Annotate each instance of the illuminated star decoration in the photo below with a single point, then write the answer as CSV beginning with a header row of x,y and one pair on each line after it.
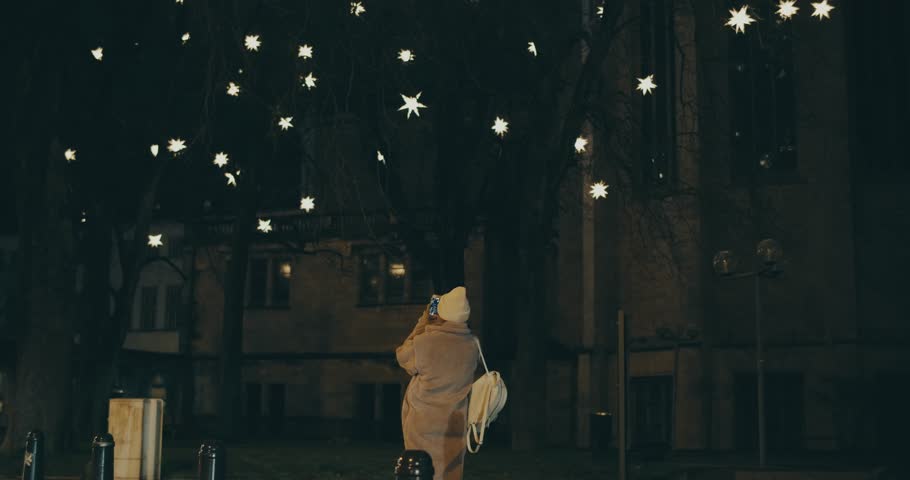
x,y
309,81
739,19
411,104
176,145
155,241
645,85
231,180
500,126
406,56
179,2
786,9
233,89
154,150
305,51
307,204
69,155
357,8
265,226
185,38
532,48
285,122
600,11
252,43
599,190
580,144
822,9
221,159
98,53
380,157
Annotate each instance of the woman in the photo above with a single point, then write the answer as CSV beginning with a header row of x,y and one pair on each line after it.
x,y
441,357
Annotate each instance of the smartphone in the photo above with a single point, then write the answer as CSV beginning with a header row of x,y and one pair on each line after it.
x,y
434,306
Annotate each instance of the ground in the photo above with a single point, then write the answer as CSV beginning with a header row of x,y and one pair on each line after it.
x,y
342,462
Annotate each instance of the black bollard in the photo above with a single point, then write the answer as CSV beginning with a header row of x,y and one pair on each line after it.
x,y
102,465
414,465
212,461
33,460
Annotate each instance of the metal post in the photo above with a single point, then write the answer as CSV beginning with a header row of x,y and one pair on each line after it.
x,y
102,465
759,372
414,465
33,459
212,461
621,380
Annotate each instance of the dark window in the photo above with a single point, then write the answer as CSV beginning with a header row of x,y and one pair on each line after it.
x,y
658,44
650,411
173,302
148,311
370,278
258,282
396,272
763,104
281,282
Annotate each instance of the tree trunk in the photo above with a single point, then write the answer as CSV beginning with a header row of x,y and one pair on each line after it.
x,y
231,375
44,356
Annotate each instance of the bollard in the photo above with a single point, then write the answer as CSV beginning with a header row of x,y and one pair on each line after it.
x,y
414,465
33,460
212,461
102,465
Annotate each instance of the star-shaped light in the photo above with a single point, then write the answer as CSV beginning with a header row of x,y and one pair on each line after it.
x,y
98,53
532,47
179,2
252,43
305,51
154,150
309,81
599,190
285,122
357,9
231,179
500,126
155,241
786,9
29,458
822,9
380,157
69,155
233,89
406,56
265,226
307,203
645,85
411,104
221,159
176,145
185,38
600,11
739,19
580,144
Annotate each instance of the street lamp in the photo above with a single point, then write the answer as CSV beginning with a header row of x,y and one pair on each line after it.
x,y
725,263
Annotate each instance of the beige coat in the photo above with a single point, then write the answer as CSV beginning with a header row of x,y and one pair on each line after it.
x,y
441,360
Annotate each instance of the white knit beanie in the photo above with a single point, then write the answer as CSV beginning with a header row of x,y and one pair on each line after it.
x,y
454,306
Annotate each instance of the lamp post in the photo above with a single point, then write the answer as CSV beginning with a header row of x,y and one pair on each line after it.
x,y
725,263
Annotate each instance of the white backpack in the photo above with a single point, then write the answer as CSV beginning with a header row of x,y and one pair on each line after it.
x,y
488,396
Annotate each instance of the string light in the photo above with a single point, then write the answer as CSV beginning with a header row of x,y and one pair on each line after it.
x,y
307,204
285,123
231,179
406,56
252,43
786,9
154,150
69,155
599,190
265,226
309,81
98,53
822,9
380,157
739,19
357,9
412,104
500,126
155,241
233,89
646,85
532,47
580,144
185,38
176,145
305,51
221,159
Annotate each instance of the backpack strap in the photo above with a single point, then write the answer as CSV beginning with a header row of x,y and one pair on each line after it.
x,y
481,355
